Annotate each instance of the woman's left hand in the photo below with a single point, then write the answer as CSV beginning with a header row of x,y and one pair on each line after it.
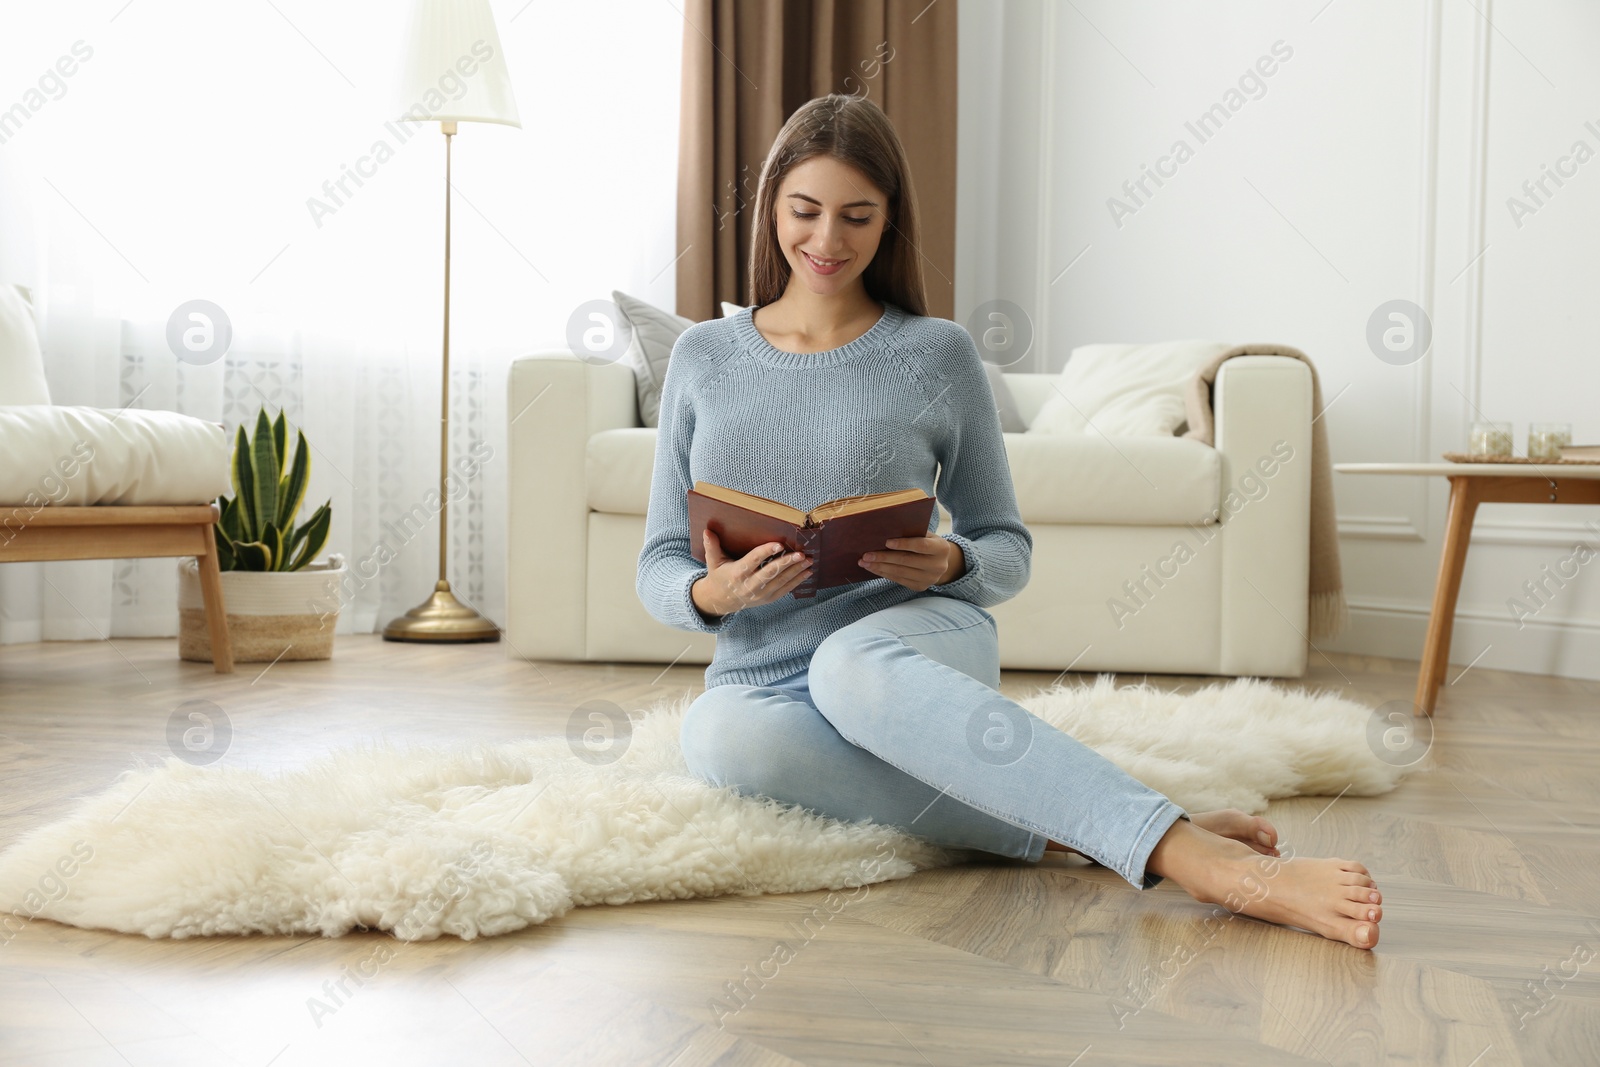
x,y
917,562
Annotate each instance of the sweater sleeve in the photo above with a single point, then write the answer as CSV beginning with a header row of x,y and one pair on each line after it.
x,y
666,567
975,484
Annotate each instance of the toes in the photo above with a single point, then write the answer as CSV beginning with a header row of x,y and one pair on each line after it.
x,y
1353,866
1365,935
1360,909
1264,833
1363,894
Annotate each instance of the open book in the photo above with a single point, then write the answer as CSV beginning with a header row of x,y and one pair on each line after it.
x,y
833,535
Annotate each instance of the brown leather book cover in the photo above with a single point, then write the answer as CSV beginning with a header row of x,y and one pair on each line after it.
x,y
833,541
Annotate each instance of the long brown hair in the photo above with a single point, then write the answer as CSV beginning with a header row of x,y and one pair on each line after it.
x,y
853,130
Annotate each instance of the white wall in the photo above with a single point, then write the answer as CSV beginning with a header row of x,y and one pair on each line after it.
x,y
1374,163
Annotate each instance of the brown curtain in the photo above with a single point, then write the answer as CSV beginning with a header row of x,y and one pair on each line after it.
x,y
747,64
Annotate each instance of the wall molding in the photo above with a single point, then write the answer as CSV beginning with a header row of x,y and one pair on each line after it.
x,y
1428,242
1045,190
1526,533
1534,534
1380,528
1400,609
1478,205
1412,527
1549,644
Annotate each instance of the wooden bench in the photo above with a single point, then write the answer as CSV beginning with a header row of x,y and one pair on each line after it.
x,y
110,531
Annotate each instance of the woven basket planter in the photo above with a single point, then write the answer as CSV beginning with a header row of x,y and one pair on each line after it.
x,y
272,615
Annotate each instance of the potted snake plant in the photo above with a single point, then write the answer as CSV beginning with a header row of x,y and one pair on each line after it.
x,y
282,602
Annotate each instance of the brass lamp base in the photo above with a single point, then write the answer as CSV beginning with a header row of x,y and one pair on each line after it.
x,y
441,618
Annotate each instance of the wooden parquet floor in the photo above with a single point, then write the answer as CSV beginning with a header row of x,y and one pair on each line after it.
x,y
1487,858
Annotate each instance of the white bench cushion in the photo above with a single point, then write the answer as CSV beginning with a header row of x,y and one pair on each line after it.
x,y
1071,478
76,456
21,365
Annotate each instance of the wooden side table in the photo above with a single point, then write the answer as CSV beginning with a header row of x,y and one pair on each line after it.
x,y
1472,484
111,531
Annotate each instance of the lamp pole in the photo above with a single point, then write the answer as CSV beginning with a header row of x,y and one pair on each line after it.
x,y
443,618
453,39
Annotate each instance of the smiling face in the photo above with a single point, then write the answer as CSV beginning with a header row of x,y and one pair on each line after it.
x,y
830,218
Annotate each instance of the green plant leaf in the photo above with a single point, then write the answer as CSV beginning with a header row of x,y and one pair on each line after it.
x,y
295,537
298,535
280,439
315,535
244,486
252,556
265,472
272,537
293,489
263,434
229,523
258,523
225,558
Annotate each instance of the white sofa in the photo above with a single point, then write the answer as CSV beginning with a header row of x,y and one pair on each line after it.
x,y
1107,516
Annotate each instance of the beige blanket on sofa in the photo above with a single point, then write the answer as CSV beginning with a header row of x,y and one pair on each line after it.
x,y
1329,614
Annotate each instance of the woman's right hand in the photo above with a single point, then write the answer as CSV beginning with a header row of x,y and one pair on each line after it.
x,y
760,576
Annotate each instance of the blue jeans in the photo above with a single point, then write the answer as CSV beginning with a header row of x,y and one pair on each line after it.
x,y
898,719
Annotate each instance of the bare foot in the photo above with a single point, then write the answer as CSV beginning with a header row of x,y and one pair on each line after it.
x,y
1332,897
1252,830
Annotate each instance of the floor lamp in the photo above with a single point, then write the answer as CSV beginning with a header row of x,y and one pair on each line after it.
x,y
454,72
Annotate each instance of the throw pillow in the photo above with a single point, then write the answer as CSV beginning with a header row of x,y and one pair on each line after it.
x,y
21,364
652,333
1124,390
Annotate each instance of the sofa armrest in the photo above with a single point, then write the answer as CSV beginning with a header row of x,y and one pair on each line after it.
x,y
1262,406
555,403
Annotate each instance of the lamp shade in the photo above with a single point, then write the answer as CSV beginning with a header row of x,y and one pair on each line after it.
x,y
454,68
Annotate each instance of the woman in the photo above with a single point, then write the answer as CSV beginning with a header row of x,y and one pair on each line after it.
x,y
879,700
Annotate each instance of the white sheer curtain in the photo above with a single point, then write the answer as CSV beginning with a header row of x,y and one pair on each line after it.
x,y
176,162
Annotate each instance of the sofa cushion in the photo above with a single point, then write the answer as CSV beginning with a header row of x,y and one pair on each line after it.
x,y
21,365
75,456
1080,478
1137,481
618,466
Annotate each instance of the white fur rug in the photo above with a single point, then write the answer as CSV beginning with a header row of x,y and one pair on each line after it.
x,y
481,840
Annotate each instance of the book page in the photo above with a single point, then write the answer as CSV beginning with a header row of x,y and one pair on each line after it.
x,y
750,502
850,505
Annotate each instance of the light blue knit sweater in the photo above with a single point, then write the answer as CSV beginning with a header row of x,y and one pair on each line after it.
x,y
877,414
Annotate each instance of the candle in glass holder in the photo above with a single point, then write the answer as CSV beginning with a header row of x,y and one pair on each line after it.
x,y
1546,439
1490,439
